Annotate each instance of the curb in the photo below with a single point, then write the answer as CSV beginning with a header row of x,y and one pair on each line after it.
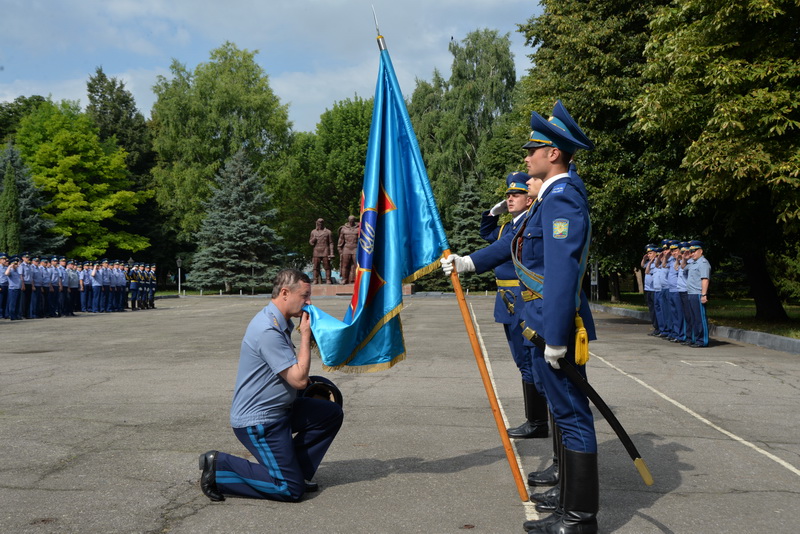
x,y
760,339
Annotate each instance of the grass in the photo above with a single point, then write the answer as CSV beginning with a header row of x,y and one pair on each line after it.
x,y
735,313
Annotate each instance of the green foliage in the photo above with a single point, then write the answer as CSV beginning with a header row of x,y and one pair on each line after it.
x,y
591,56
735,96
237,246
455,120
114,112
11,113
9,213
35,231
83,180
323,173
201,118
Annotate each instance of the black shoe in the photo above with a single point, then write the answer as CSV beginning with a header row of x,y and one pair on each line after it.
x,y
547,502
208,480
529,429
548,477
539,524
696,346
311,487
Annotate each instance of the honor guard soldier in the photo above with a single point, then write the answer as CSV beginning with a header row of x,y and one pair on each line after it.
x,y
144,286
648,267
54,288
26,272
133,284
550,252
73,289
152,289
510,302
96,274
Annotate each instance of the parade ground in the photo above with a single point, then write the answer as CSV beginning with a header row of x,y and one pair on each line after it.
x,y
103,418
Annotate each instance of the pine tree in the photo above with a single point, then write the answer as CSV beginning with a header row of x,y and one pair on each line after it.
x,y
237,246
9,213
35,231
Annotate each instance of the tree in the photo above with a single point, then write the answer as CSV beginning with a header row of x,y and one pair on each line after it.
x,y
201,118
36,233
733,97
323,173
9,213
591,56
11,113
84,181
237,246
454,118
114,112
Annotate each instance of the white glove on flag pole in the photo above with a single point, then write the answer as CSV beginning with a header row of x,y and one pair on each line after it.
x,y
461,264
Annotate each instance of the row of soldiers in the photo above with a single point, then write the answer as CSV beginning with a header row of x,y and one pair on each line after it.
x,y
676,288
33,286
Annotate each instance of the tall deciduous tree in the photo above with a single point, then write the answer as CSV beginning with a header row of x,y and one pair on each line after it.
x,y
202,118
725,77
454,118
35,230
84,181
591,56
237,246
324,173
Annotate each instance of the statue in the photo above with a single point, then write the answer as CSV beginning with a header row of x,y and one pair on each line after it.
x,y
348,244
322,241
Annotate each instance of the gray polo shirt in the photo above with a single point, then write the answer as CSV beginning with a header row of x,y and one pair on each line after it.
x,y
261,395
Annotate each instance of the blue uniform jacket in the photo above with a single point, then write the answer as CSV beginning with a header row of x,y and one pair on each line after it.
x,y
556,231
490,231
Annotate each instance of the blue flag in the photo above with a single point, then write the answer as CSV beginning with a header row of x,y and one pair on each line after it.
x,y
401,238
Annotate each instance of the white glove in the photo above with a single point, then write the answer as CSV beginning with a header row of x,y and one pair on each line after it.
x,y
461,264
499,208
552,353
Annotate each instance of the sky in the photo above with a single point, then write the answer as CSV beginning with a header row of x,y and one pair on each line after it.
x,y
315,52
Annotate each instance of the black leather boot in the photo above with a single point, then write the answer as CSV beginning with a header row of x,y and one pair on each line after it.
x,y
540,525
208,479
549,476
547,501
581,496
535,412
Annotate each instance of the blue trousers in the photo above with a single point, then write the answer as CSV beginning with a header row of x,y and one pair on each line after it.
x,y
676,315
664,323
650,299
13,304
699,321
97,299
35,311
284,462
569,405
521,354
86,298
3,301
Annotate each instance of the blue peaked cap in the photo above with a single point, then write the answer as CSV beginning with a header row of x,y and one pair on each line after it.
x,y
556,133
561,113
516,182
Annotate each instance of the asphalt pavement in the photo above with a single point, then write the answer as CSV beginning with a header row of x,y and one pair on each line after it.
x,y
102,419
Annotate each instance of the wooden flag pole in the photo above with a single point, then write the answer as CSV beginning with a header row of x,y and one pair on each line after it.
x,y
487,384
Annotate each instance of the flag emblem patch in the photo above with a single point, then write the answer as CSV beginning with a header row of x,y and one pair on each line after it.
x,y
560,228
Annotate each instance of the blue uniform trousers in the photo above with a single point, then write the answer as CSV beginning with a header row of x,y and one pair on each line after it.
x,y
284,463
676,315
521,354
105,299
649,297
664,323
687,316
35,311
570,406
134,294
4,301
699,321
97,299
12,306
86,299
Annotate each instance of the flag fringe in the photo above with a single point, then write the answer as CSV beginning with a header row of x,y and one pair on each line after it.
x,y
422,272
385,319
372,368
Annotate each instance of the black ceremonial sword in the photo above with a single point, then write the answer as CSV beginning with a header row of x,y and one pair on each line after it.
x,y
597,400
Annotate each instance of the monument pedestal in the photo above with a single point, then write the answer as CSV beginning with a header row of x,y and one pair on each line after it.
x,y
345,290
